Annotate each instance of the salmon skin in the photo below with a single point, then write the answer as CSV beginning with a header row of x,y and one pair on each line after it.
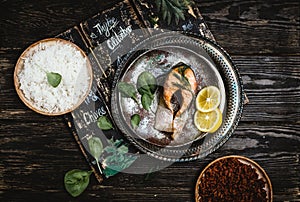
x,y
180,79
178,92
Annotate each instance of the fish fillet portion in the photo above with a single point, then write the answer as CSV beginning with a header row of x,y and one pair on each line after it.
x,y
163,118
180,81
179,123
180,78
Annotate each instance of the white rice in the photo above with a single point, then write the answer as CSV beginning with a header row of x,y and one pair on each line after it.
x,y
59,58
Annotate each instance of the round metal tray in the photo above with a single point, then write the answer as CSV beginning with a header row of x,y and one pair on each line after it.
x,y
224,74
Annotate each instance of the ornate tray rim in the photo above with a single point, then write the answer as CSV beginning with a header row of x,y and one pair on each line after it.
x,y
196,153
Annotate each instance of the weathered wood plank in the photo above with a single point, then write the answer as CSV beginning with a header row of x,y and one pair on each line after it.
x,y
272,85
263,38
257,26
29,21
38,149
254,27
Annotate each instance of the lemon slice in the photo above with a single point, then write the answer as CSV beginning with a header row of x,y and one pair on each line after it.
x,y
208,121
208,99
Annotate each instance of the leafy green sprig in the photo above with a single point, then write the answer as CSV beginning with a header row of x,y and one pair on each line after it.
x,y
76,181
96,149
104,123
127,90
53,78
146,86
172,9
135,120
115,158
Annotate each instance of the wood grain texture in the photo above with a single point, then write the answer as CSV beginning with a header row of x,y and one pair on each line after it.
x,y
254,27
261,36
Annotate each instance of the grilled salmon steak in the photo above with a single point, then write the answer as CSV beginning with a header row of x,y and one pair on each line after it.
x,y
178,92
182,79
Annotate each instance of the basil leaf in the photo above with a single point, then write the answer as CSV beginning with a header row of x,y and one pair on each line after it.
x,y
118,163
53,78
108,172
135,121
117,142
127,90
146,101
146,83
96,147
109,159
110,149
122,149
118,158
104,123
76,181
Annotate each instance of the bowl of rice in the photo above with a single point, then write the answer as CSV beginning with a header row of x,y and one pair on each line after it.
x,y
53,76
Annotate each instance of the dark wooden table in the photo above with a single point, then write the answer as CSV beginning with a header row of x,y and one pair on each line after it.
x,y
261,36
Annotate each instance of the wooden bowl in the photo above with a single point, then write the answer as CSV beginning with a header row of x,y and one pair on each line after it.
x,y
31,50
258,169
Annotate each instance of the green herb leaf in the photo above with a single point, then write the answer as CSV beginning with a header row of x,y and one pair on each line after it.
x,y
123,149
104,123
117,142
96,147
169,17
177,3
127,90
172,8
110,149
116,164
135,120
158,3
146,83
118,158
187,2
108,172
112,158
176,18
76,181
53,78
164,14
163,6
147,101
181,76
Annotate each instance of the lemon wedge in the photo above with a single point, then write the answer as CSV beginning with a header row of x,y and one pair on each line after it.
x,y
208,99
208,121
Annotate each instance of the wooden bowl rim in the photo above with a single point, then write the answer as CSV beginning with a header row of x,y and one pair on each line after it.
x,y
31,50
262,173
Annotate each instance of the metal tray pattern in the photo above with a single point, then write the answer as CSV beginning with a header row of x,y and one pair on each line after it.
x,y
234,97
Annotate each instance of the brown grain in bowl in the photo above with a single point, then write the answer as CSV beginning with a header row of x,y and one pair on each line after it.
x,y
233,178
